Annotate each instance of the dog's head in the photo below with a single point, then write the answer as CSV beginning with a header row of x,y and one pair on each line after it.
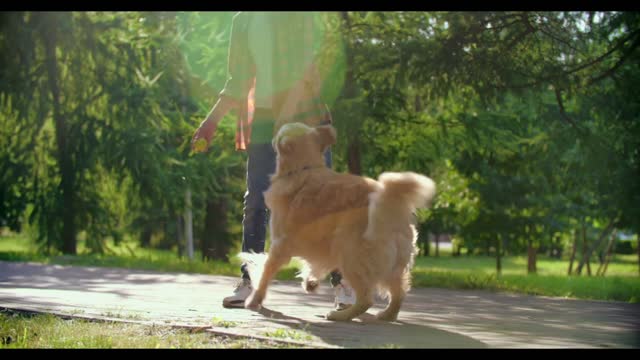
x,y
297,144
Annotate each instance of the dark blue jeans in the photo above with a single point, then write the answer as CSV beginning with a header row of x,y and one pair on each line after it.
x,y
261,163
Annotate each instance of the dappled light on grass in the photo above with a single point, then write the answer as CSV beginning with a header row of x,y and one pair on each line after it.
x,y
464,272
47,331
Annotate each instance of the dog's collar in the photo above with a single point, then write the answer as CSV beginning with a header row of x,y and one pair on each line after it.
x,y
295,171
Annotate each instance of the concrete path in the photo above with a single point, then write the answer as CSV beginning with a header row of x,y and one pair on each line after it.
x,y
430,318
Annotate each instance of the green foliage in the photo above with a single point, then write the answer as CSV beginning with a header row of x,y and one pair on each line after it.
x,y
526,121
626,247
127,126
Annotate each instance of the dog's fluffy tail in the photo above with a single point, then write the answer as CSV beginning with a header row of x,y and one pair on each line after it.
x,y
399,196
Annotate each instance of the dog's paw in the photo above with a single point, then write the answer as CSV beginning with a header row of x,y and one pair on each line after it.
x,y
387,316
340,315
253,302
310,285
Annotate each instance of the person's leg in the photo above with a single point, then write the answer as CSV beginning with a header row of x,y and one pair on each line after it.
x,y
335,276
260,165
344,296
328,158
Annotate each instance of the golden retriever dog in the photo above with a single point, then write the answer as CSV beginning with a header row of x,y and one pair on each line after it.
x,y
330,220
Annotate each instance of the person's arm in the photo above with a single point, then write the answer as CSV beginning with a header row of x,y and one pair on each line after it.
x,y
241,71
208,127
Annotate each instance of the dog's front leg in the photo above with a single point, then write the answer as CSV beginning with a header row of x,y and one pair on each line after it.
x,y
275,260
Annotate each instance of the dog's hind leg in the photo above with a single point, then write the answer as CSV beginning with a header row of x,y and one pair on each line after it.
x,y
397,285
364,300
275,260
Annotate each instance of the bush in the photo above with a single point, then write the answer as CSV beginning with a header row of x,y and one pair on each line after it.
x,y
626,247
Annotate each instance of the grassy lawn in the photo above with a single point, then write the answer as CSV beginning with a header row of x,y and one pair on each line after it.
x,y
621,282
621,265
20,331
127,255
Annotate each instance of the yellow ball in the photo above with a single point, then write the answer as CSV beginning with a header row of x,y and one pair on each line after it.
x,y
200,145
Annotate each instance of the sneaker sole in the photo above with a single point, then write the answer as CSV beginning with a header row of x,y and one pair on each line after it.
x,y
342,306
235,304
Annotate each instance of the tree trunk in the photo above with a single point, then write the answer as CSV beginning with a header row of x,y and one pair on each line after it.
x,y
180,235
573,252
353,156
531,257
584,251
427,245
188,223
498,256
584,242
587,254
216,241
145,237
603,268
67,180
458,249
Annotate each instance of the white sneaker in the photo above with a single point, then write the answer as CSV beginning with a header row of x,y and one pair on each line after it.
x,y
240,294
345,296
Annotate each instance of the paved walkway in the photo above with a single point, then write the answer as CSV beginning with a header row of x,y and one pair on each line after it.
x,y
430,318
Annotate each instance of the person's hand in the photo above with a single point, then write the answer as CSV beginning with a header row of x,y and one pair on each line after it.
x,y
203,135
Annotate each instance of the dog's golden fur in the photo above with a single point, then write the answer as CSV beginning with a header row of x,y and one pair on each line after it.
x,y
357,225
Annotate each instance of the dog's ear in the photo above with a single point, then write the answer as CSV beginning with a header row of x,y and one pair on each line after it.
x,y
326,135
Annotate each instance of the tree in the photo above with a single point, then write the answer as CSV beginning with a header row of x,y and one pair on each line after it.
x,y
101,79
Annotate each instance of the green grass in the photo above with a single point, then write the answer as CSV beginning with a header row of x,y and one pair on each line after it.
x,y
621,265
47,331
617,288
127,255
216,321
621,282
289,334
